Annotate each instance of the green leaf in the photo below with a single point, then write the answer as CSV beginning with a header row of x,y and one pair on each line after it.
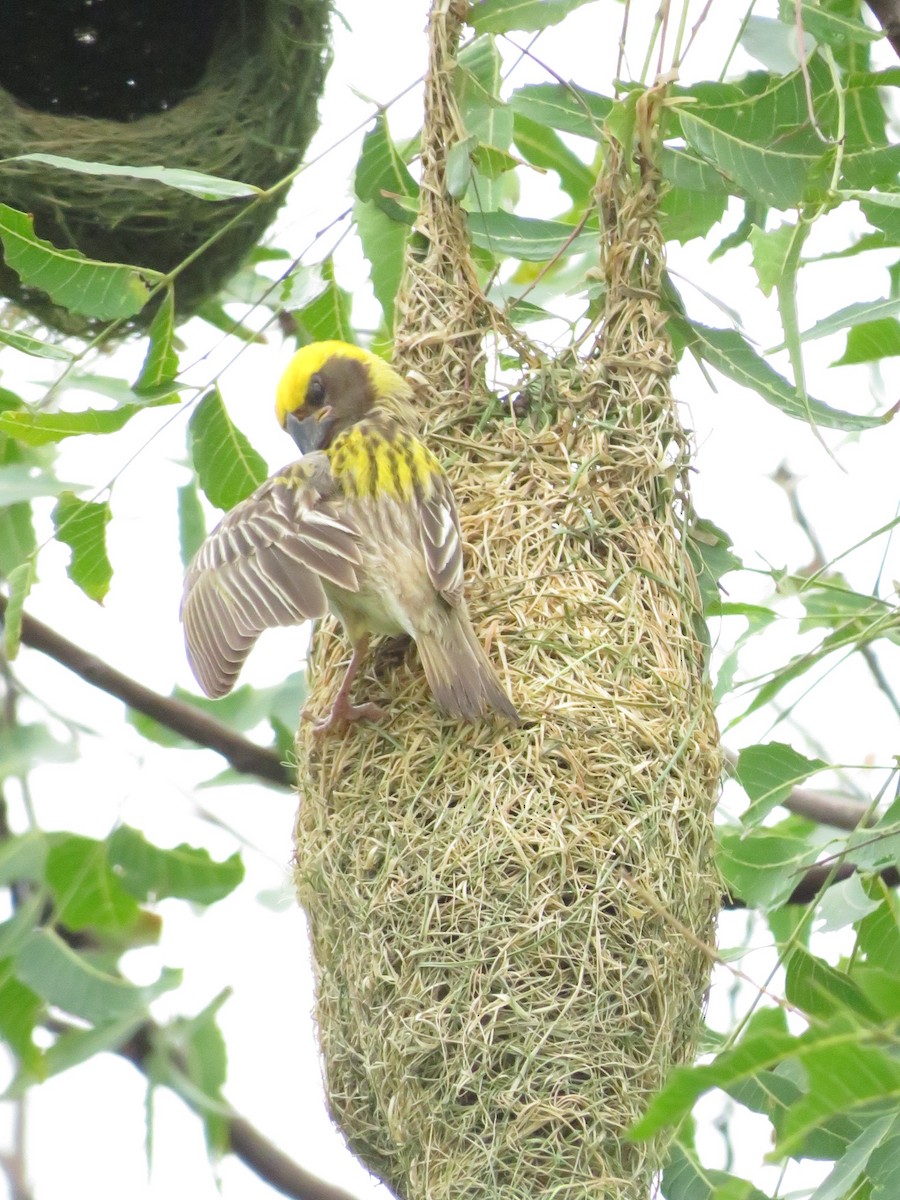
x,y
771,251
327,317
851,1164
729,352
763,867
161,361
19,1011
821,991
871,341
95,289
195,1062
564,106
76,1046
530,238
23,747
774,44
500,16
879,934
881,209
384,245
884,1168
757,133
38,428
34,346
191,522
62,977
18,542
81,524
768,774
545,149
685,214
685,1178
762,1047
834,28
845,1071
843,904
195,183
22,858
711,556
19,584
859,313
87,892
152,873
227,466
381,173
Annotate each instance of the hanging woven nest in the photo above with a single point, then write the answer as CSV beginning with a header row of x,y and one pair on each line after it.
x,y
226,87
512,928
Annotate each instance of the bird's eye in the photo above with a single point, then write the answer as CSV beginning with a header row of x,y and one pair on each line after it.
x,y
315,393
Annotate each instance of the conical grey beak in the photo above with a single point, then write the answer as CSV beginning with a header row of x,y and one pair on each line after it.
x,y
311,432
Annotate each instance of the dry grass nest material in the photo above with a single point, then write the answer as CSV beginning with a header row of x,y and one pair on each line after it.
x,y
249,119
496,997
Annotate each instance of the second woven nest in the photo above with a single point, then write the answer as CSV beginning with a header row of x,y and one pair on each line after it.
x,y
250,118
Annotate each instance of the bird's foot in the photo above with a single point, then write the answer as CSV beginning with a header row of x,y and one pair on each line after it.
x,y
344,713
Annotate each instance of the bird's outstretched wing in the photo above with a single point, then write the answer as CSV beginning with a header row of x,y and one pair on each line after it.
x,y
263,565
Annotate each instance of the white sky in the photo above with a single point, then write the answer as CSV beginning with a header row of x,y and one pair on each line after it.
x,y
86,1128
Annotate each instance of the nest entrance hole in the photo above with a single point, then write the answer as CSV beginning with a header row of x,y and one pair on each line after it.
x,y
116,60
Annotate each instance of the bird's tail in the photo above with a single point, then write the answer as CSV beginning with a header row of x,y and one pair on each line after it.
x,y
459,673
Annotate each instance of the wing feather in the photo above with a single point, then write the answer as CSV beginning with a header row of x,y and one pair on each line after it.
x,y
441,542
263,566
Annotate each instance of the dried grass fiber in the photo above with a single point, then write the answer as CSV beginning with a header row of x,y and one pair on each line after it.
x,y
510,927
250,119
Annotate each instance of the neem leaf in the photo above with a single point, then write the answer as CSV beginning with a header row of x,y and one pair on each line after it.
x,y
762,867
822,991
227,466
382,174
500,16
86,891
161,361
529,238
327,316
195,183
150,872
81,524
191,521
384,244
39,428
19,583
563,106
768,773
64,978
762,1047
34,346
729,352
82,285
871,341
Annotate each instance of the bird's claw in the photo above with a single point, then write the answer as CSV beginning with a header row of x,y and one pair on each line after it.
x,y
344,713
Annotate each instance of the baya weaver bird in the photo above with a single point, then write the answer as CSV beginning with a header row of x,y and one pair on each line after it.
x,y
364,524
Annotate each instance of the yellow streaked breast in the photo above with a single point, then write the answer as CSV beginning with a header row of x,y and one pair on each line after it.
x,y
366,462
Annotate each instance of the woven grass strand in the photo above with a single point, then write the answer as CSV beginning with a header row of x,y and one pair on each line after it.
x,y
250,118
498,993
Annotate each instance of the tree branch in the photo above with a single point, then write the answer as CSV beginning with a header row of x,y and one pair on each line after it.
x,y
816,880
247,1143
887,13
242,754
245,756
